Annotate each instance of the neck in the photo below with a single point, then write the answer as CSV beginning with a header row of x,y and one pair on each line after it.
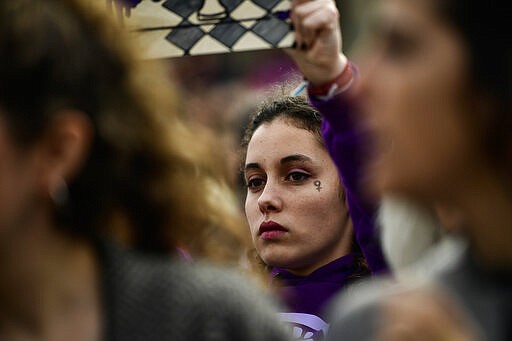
x,y
487,207
48,286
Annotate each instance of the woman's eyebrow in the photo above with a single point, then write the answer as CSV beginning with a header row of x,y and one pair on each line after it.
x,y
253,165
294,158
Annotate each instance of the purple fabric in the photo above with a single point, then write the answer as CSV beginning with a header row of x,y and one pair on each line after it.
x,y
131,3
309,294
346,144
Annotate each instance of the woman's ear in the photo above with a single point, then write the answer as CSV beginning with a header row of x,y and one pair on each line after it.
x,y
65,147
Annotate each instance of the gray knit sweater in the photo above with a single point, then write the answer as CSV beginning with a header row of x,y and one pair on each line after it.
x,y
151,297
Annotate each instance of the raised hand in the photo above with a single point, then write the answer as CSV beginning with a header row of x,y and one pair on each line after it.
x,y
318,49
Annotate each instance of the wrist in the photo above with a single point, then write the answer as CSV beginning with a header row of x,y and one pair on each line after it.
x,y
323,74
335,85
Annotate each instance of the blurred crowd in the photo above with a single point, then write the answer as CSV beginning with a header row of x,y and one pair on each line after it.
x,y
355,186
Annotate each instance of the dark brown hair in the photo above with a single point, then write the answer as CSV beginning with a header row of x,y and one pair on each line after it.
x,y
484,28
295,110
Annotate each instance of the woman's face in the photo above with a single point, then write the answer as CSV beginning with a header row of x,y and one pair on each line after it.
x,y
412,94
294,204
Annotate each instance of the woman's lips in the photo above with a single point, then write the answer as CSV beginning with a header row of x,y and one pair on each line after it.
x,y
271,230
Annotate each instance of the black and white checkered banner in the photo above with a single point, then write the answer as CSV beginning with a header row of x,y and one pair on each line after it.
x,y
170,28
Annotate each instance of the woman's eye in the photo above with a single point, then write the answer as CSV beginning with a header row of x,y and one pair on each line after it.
x,y
399,46
297,176
255,184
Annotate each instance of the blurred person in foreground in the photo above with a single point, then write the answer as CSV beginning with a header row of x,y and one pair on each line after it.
x,y
434,103
100,184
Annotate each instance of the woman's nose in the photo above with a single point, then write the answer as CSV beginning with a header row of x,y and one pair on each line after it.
x,y
270,199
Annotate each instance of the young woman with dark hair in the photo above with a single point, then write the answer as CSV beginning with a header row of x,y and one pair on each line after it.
x,y
299,213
